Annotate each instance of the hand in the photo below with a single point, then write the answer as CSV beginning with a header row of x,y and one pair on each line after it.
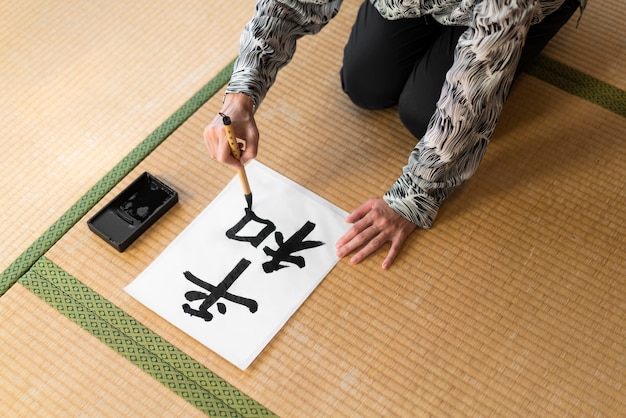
x,y
375,224
239,108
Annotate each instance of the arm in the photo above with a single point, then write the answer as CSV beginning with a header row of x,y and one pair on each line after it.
x,y
268,41
471,100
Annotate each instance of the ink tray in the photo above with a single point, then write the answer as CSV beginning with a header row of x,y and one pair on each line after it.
x,y
133,211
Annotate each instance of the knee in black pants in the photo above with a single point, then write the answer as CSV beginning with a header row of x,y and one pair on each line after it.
x,y
412,115
366,91
377,59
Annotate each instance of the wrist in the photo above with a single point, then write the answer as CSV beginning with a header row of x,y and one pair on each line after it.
x,y
239,100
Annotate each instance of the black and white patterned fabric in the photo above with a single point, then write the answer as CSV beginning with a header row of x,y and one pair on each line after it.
x,y
471,99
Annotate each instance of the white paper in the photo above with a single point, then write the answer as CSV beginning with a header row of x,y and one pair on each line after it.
x,y
204,250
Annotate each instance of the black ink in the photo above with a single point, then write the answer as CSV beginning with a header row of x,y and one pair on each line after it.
x,y
254,240
142,203
287,248
216,293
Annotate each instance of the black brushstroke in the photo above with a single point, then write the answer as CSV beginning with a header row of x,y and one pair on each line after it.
x,y
216,293
286,248
250,216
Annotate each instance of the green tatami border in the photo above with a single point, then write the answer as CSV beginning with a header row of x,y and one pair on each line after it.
x,y
21,265
546,69
147,350
120,331
579,84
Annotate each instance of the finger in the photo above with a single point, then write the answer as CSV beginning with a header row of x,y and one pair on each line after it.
x,y
360,222
352,233
359,212
365,242
373,244
250,152
378,239
252,146
224,154
394,250
397,242
250,135
345,238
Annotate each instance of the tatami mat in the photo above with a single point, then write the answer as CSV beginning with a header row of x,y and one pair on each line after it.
x,y
597,45
83,83
512,305
44,376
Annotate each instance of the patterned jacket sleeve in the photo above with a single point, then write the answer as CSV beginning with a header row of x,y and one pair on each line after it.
x,y
471,100
268,41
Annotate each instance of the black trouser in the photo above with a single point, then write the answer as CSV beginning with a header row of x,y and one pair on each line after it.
x,y
404,62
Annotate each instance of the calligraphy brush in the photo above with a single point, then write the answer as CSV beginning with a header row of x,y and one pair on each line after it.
x,y
234,148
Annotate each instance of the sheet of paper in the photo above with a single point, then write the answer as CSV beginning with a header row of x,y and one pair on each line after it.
x,y
233,277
